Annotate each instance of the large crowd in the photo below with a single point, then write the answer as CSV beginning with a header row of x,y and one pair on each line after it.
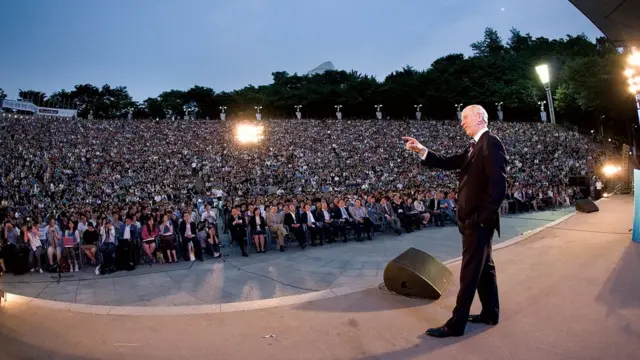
x,y
123,172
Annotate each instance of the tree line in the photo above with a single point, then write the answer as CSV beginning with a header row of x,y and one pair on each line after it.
x,y
587,81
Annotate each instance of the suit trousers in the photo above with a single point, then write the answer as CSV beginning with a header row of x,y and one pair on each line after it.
x,y
280,231
241,238
126,247
477,272
197,248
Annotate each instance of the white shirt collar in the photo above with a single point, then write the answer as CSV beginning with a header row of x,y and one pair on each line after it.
x,y
482,131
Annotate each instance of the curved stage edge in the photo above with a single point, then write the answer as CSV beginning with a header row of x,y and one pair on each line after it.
x,y
570,290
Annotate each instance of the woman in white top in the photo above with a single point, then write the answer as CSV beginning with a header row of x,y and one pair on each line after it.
x,y
418,205
35,247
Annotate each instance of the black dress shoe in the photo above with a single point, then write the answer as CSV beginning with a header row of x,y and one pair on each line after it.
x,y
443,332
477,319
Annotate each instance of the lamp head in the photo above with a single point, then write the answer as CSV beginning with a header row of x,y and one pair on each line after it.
x,y
543,73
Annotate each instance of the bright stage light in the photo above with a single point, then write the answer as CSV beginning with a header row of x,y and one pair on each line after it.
x,y
249,134
610,170
634,58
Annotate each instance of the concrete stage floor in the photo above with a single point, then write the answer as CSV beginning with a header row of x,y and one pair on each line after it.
x,y
571,291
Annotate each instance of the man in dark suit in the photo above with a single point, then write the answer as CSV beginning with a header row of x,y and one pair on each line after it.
x,y
237,227
390,214
482,187
325,222
188,232
343,219
436,211
293,222
307,217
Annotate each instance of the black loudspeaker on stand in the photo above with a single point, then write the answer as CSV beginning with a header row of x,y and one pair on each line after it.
x,y
415,273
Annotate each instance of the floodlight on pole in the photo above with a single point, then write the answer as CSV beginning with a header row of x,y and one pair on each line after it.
x,y
378,113
458,112
541,103
298,113
223,116
338,113
545,78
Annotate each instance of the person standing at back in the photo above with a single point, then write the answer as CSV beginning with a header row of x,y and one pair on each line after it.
x,y
481,189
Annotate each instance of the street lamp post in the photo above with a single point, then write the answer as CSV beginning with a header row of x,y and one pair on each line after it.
x,y
298,113
543,73
500,113
258,114
223,116
378,112
338,113
459,113
633,76
418,113
543,114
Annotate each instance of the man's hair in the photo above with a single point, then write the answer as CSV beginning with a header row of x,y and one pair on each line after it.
x,y
478,110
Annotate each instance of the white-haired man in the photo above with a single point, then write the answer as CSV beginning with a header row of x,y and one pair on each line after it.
x,y
481,190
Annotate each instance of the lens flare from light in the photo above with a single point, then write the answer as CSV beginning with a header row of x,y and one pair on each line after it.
x,y
610,170
249,134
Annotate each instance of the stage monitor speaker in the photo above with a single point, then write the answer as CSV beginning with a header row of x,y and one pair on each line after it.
x,y
586,206
417,274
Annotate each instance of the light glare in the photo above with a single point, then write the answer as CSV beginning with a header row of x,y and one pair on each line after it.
x,y
249,134
610,170
634,58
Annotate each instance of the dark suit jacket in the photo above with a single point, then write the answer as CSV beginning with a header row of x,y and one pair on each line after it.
x,y
253,224
433,205
482,180
304,218
387,209
397,207
319,215
288,219
133,231
183,228
239,229
337,213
